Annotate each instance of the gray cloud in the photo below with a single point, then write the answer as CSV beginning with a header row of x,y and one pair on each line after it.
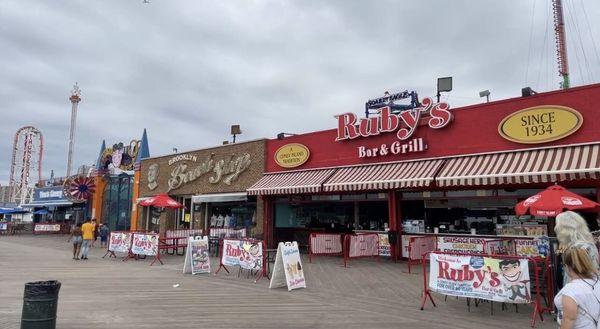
x,y
186,70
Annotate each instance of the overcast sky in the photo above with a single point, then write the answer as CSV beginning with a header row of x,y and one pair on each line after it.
x,y
187,70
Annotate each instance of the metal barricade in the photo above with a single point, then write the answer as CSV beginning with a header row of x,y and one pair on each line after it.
x,y
325,244
418,246
361,245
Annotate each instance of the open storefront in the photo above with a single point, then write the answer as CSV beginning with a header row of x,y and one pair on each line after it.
x,y
429,171
211,185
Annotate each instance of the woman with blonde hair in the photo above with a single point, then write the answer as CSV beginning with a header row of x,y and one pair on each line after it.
x,y
578,302
572,231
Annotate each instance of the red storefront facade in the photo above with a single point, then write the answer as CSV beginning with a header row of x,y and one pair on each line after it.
x,y
432,158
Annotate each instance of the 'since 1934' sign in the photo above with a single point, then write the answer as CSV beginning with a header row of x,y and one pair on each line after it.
x,y
540,124
404,124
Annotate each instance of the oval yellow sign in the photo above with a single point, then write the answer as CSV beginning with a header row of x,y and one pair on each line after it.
x,y
292,155
540,124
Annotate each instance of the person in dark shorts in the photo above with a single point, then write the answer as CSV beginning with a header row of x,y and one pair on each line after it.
x,y
103,231
77,237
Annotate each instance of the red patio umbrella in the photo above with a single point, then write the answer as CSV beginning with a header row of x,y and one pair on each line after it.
x,y
161,201
552,201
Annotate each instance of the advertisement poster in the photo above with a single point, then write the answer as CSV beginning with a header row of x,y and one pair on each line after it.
x,y
47,227
288,270
384,245
459,244
244,253
197,257
405,241
532,247
119,242
3,226
496,279
145,244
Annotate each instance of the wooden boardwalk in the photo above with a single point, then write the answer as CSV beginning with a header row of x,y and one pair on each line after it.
x,y
109,293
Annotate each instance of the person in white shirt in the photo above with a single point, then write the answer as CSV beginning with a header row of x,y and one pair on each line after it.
x,y
578,302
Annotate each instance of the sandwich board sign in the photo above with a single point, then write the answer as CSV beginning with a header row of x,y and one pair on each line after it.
x,y
288,269
196,256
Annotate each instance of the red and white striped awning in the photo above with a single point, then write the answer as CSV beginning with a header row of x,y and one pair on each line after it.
x,y
294,182
384,176
532,166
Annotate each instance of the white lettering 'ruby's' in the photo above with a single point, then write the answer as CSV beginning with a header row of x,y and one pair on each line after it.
x,y
405,122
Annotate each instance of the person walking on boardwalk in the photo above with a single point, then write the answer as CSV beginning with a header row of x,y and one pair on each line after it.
x,y
103,232
96,227
88,237
77,237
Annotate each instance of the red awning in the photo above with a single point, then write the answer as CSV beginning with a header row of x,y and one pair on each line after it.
x,y
522,167
383,176
293,182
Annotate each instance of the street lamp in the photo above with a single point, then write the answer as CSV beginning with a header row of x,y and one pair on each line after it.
x,y
235,130
486,94
443,84
281,136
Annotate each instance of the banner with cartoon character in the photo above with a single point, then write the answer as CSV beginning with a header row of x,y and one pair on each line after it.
x,y
497,279
248,254
3,226
288,270
119,242
197,258
145,244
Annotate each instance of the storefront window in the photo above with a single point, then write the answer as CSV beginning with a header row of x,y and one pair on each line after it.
x,y
184,215
231,215
488,212
332,216
116,212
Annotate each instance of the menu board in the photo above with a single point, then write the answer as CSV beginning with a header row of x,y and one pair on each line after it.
x,y
461,244
197,258
384,245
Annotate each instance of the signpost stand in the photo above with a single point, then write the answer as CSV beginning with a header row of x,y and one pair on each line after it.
x,y
288,269
197,258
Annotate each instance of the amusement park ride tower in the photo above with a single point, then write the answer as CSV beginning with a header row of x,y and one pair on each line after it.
x,y
75,99
26,163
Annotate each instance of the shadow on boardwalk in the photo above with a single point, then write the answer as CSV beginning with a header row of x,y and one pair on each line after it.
x,y
109,293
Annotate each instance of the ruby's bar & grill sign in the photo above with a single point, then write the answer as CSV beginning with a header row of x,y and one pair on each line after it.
x,y
404,124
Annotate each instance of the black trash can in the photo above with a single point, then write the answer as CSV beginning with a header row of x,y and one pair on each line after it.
x,y
40,302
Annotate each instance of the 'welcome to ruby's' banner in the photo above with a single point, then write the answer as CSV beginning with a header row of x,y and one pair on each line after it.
x,y
497,279
119,242
244,253
145,244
